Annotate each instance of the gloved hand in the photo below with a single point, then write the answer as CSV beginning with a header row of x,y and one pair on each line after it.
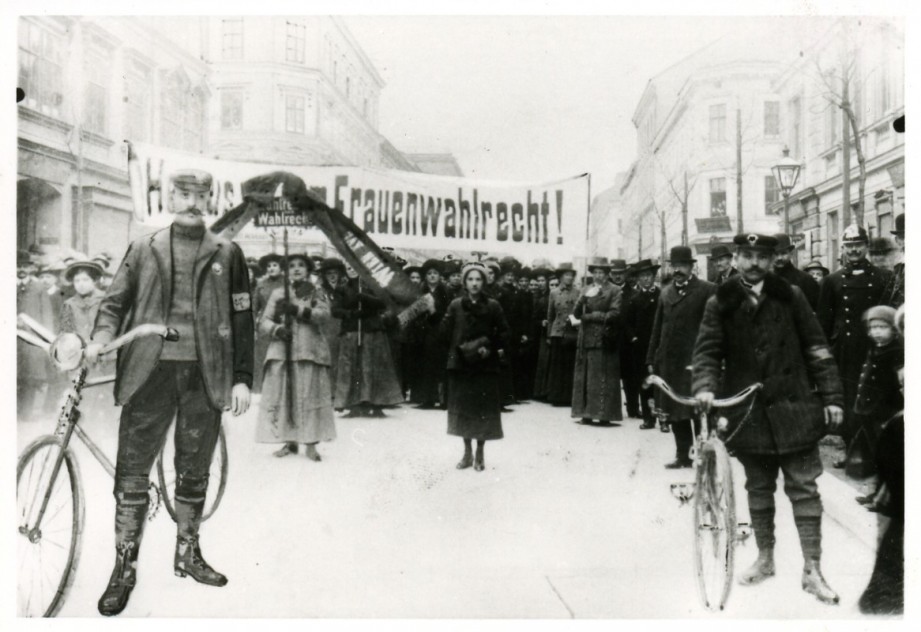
x,y
304,314
285,308
281,333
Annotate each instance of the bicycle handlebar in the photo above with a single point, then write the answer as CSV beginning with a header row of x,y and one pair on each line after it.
x,y
167,333
727,402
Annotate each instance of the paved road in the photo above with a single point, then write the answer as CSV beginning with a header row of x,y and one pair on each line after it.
x,y
566,521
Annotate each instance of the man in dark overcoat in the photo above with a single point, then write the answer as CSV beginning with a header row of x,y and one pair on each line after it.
x,y
844,296
639,315
722,259
784,268
631,379
895,291
196,282
671,345
758,328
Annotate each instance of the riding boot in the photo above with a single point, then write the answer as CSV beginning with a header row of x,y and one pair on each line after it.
x,y
810,537
763,568
129,526
188,559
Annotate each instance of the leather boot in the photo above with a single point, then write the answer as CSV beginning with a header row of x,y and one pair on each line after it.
x,y
815,584
760,570
129,525
188,559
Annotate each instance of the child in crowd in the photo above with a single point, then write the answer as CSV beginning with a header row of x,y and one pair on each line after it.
x,y
879,394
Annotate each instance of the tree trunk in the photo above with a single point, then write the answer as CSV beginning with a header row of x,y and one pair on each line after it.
x,y
845,153
861,164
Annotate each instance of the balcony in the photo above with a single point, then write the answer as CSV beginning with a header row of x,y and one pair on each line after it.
x,y
713,224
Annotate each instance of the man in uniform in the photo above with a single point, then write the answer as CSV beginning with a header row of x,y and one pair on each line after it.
x,y
631,379
722,259
196,282
671,345
844,296
760,329
784,268
638,318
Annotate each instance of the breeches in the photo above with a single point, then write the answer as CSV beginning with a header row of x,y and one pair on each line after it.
x,y
800,471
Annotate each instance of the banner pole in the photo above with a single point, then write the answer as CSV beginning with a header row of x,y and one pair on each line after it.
x,y
289,368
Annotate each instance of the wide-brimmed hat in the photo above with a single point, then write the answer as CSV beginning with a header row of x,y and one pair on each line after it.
x,y
855,233
272,257
619,265
816,265
881,245
90,267
433,264
331,263
784,244
104,259
719,251
681,254
899,225
53,267
643,265
303,256
564,268
594,263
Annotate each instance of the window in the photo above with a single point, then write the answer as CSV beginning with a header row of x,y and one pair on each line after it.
x,y
137,101
40,73
771,194
294,113
295,42
717,197
772,119
796,127
96,91
231,109
717,123
232,38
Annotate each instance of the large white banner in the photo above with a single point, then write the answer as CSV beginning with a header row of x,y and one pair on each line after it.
x,y
401,209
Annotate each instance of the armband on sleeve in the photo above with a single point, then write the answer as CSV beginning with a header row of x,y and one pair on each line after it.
x,y
241,302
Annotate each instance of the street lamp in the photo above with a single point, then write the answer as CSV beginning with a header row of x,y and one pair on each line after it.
x,y
785,173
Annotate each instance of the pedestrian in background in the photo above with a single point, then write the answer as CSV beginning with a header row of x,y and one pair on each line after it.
x,y
33,365
540,331
305,415
596,380
895,290
880,252
563,335
272,279
428,390
332,274
722,260
478,334
816,270
640,313
784,268
614,337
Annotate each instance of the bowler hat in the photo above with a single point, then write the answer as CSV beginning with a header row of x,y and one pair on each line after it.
x,y
899,225
756,241
90,267
881,245
784,244
816,265
265,260
564,268
598,263
331,263
719,251
644,265
191,180
681,254
433,264
855,233
618,265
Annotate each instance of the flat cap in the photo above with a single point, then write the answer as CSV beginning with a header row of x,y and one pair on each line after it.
x,y
191,180
756,241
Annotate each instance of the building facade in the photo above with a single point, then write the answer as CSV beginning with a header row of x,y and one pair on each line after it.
x,y
605,222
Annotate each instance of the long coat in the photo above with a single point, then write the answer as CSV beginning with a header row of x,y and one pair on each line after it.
x,y
776,340
308,341
560,305
803,280
844,295
141,293
671,345
33,364
78,314
639,315
596,381
432,348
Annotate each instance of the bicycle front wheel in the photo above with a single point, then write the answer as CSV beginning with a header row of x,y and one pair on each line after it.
x,y
217,481
48,542
714,524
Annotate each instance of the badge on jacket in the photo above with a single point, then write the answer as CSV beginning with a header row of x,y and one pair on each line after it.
x,y
217,268
241,301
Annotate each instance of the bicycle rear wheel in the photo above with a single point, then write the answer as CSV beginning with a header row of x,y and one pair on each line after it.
x,y
714,524
166,473
48,552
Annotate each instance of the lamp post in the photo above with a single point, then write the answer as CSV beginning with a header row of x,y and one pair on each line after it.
x,y
785,173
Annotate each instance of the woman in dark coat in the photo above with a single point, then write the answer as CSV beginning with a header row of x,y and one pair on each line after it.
x,y
478,335
428,389
562,357
596,381
540,329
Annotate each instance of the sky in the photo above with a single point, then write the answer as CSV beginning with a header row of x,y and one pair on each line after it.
x,y
531,98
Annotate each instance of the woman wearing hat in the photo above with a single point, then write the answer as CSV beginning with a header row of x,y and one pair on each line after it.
x,y
562,358
478,335
305,415
596,381
540,329
272,279
332,275
427,390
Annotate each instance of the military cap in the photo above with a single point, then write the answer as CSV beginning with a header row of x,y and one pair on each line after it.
x,y
619,265
899,225
90,267
433,264
881,245
855,233
191,180
755,241
449,257
784,244
719,251
681,254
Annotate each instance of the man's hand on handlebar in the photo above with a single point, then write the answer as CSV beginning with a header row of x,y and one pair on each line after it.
x,y
834,417
239,399
92,352
704,400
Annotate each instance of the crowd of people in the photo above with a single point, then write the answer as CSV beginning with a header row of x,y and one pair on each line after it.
x,y
495,334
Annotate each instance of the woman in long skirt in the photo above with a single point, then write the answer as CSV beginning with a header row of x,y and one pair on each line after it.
x,y
596,381
478,335
562,357
305,415
428,389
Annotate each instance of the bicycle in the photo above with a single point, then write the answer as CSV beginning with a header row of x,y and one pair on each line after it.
x,y
716,531
49,492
